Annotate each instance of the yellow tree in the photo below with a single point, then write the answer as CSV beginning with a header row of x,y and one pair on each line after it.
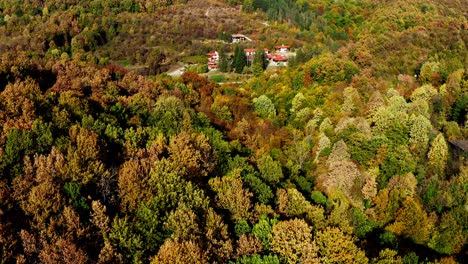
x,y
292,240
388,256
338,247
192,152
438,155
412,221
231,195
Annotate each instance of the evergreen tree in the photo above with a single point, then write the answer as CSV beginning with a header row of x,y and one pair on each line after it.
x,y
259,62
240,60
223,61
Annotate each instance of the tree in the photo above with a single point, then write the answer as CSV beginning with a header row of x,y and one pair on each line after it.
x,y
248,245
262,230
62,251
133,182
292,203
155,60
83,156
388,256
231,195
183,224
420,127
192,153
170,115
342,176
338,247
223,63
264,106
270,170
218,242
258,259
323,144
412,221
438,155
292,240
240,60
448,237
262,191
260,62
180,251
351,99
339,153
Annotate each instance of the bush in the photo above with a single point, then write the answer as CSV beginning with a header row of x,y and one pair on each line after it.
x,y
218,78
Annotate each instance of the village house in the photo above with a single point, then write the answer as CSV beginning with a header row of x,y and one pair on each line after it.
x,y
214,56
213,59
212,66
239,38
277,57
283,48
250,53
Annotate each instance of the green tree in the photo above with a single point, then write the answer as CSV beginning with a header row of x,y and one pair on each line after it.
x,y
270,170
260,62
240,60
420,127
262,230
223,63
264,106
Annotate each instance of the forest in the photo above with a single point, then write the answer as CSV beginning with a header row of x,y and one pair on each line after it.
x,y
357,152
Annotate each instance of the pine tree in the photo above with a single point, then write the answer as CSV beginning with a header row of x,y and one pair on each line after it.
x,y
223,62
240,60
259,62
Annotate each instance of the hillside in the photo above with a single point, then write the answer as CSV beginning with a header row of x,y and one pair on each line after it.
x,y
356,152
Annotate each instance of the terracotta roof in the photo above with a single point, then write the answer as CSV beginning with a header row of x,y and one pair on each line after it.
x,y
279,57
250,50
283,46
461,144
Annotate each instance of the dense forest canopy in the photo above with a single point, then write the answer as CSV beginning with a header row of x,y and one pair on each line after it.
x,y
354,153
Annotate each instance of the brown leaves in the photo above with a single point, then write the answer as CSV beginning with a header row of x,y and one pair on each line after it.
x,y
132,182
248,245
192,152
62,251
19,104
83,156
175,251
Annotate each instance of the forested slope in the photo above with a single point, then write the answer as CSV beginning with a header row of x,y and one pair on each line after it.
x,y
354,154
